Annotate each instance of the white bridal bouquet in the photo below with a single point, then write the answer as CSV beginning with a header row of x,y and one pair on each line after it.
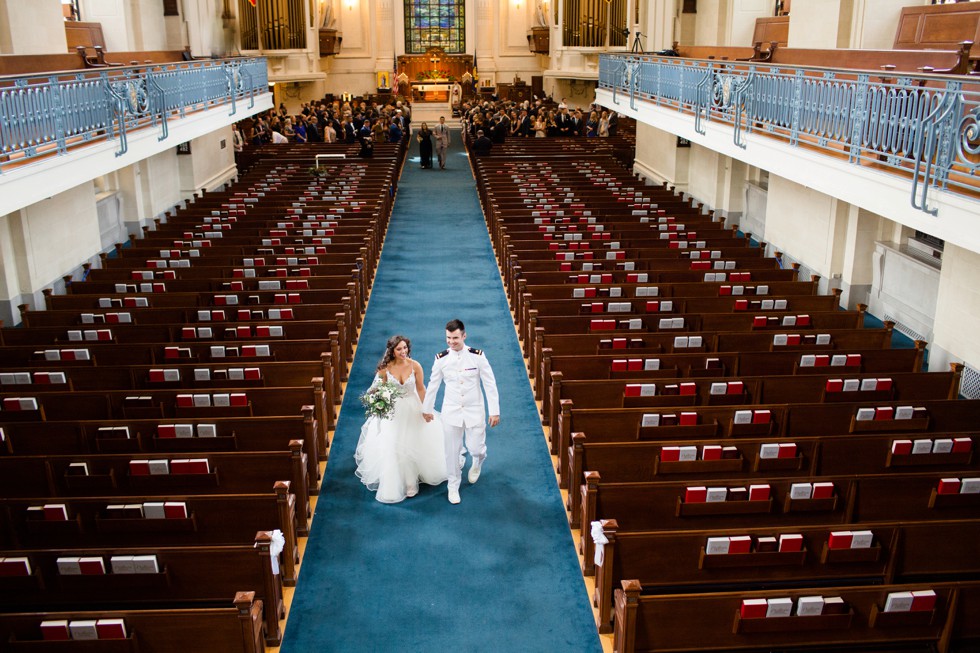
x,y
379,399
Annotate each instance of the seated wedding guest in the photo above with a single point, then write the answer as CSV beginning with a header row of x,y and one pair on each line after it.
x,y
482,145
395,132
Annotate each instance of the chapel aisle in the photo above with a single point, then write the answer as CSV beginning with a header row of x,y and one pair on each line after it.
x,y
497,572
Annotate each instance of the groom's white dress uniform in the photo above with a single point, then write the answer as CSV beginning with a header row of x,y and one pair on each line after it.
x,y
462,405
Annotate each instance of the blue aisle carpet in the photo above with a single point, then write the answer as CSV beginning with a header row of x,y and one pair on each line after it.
x,y
497,572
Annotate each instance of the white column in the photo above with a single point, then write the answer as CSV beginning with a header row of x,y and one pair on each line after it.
x,y
36,27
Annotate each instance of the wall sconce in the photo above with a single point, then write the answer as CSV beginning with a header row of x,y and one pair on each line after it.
x,y
517,4
350,4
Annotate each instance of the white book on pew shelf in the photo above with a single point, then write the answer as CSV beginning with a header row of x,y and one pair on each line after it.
x,y
716,494
769,450
742,417
145,564
154,510
781,607
122,564
861,539
68,566
159,467
921,446
207,430
202,374
809,606
942,445
852,385
686,454
903,412
970,486
650,419
898,602
83,629
717,546
800,491
865,414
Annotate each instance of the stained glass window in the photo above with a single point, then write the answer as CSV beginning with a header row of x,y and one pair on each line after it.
x,y
435,23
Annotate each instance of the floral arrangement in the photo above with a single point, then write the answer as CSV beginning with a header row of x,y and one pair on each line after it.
x,y
379,399
434,74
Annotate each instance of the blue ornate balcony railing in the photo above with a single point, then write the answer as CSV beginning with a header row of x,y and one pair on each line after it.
x,y
923,127
46,114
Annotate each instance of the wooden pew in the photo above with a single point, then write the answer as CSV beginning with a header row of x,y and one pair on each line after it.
x,y
212,520
780,420
665,562
863,498
233,629
186,576
650,368
710,622
638,461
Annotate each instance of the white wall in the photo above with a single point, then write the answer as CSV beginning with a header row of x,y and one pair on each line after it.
x,y
957,310
822,24
658,157
44,242
710,23
116,27
35,27
209,164
742,15
704,177
801,222
875,22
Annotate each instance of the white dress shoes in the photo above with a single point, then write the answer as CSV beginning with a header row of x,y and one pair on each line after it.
x,y
453,496
475,470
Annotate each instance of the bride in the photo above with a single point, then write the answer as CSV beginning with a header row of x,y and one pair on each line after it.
x,y
395,453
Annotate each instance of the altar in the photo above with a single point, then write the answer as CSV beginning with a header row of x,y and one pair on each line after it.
x,y
435,90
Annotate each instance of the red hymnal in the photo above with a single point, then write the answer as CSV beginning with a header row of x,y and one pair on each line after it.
x,y
111,628
185,401
175,510
946,486
239,399
688,419
902,447
923,600
139,467
787,450
711,452
840,540
823,490
15,567
761,416
670,454
835,385
962,445
55,512
739,544
884,413
790,542
91,566
759,492
753,608
695,494
687,389
55,630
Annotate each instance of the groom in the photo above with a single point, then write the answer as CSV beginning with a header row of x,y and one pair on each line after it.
x,y
462,368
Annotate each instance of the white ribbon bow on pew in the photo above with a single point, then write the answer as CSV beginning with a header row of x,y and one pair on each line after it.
x,y
600,539
275,548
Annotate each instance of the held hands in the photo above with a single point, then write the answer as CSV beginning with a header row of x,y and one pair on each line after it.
x,y
428,417
494,420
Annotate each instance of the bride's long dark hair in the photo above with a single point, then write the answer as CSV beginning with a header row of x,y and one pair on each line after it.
x,y
389,356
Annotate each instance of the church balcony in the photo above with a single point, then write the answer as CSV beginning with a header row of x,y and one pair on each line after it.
x,y
60,129
905,146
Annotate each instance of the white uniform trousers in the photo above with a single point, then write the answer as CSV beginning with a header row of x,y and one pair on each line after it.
x,y
476,444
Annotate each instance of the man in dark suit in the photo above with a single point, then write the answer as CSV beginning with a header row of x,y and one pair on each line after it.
x,y
524,129
482,145
564,122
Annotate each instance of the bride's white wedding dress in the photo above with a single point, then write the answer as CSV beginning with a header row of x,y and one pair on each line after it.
x,y
393,455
